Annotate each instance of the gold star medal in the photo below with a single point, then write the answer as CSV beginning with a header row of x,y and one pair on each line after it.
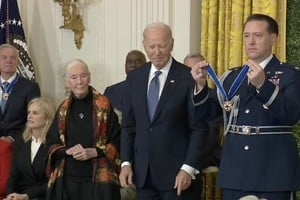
x,y
227,106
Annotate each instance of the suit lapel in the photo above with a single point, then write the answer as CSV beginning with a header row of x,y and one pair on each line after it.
x,y
27,157
169,89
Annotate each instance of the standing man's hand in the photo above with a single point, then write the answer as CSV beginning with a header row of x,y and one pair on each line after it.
x,y
182,182
199,74
256,74
125,176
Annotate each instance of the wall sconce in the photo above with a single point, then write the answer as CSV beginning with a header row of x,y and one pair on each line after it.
x,y
72,19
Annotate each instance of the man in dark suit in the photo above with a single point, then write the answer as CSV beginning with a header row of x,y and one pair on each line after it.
x,y
115,93
19,92
259,154
13,100
161,150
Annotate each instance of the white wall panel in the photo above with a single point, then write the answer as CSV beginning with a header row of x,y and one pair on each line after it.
x,y
113,27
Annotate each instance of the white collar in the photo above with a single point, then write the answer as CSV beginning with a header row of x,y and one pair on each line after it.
x,y
10,79
264,63
36,140
164,70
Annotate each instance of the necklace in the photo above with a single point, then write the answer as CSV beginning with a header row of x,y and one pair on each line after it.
x,y
81,115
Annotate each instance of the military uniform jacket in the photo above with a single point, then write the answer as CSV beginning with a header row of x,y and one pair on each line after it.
x,y
263,162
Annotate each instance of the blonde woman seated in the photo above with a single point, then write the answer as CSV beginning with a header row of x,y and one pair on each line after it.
x,y
28,179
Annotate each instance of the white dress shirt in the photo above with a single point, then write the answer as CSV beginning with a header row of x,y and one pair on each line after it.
x,y
35,145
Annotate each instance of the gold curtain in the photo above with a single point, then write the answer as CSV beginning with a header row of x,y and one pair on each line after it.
x,y
222,29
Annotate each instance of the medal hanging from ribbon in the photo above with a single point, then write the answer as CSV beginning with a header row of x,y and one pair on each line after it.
x,y
6,90
227,103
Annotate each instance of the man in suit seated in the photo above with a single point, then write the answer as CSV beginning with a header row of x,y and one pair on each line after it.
x,y
15,94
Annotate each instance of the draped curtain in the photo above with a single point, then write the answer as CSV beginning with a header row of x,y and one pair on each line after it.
x,y
222,29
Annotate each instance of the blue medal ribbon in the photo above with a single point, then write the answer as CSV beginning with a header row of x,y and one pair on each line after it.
x,y
7,90
234,87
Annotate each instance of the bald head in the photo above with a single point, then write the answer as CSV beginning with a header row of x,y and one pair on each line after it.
x,y
134,59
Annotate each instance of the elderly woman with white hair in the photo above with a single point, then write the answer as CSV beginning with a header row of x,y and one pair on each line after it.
x,y
83,142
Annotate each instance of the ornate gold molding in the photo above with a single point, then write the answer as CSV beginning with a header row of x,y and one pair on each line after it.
x,y
72,19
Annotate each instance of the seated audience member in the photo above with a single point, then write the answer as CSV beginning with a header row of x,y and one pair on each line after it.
x,y
213,147
28,179
115,93
83,142
15,93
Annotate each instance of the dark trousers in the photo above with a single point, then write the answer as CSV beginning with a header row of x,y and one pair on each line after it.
x,y
83,188
150,192
237,194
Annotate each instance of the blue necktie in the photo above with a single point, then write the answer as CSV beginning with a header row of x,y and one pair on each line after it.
x,y
4,95
153,94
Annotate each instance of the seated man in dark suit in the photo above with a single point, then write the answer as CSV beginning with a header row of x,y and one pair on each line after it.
x,y
134,59
15,93
15,96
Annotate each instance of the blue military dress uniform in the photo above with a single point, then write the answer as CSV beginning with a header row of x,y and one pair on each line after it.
x,y
260,152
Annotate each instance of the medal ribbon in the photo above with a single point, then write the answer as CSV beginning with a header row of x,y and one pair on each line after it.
x,y
235,85
10,86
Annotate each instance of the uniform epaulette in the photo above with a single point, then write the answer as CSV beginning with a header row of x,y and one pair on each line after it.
x,y
289,66
294,67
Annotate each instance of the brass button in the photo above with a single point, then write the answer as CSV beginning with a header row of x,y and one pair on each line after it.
x,y
246,147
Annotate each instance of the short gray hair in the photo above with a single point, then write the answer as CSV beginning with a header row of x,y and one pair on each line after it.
x,y
6,46
193,55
